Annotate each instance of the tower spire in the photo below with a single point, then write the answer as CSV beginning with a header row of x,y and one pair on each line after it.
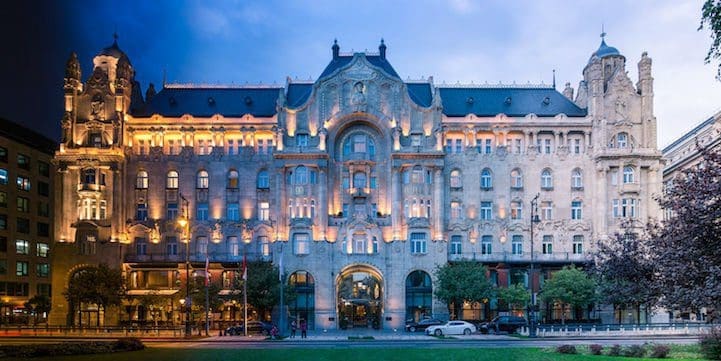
x,y
554,78
603,33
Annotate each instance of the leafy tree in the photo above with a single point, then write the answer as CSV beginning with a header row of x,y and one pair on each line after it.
x,y
38,305
99,285
263,287
686,248
516,296
625,272
462,281
154,304
197,297
711,19
569,287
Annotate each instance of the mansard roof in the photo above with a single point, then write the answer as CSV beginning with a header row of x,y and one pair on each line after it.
x,y
343,60
511,101
298,94
420,93
205,101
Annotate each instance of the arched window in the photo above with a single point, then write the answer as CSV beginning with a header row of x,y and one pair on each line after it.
x,y
622,140
628,174
141,180
303,306
202,180
417,175
359,180
546,179
419,296
171,181
576,178
456,179
516,179
300,176
263,180
359,143
486,179
233,179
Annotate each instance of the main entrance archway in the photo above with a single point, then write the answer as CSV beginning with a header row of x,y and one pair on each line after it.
x,y
360,297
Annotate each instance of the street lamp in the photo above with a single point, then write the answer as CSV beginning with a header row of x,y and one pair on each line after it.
x,y
532,306
184,223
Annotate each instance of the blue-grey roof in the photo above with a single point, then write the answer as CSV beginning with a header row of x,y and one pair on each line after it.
x,y
204,102
298,94
516,102
114,51
604,51
420,93
343,60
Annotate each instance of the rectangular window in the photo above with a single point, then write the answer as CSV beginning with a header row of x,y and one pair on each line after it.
x,y
577,146
43,250
516,210
44,169
43,289
3,199
264,246
263,211
23,183
42,269
141,212
43,188
171,211
23,225
232,212
518,146
301,243
171,245
547,146
418,243
547,244
201,212
456,244
517,244
3,267
3,244
547,211
3,154
576,210
43,229
301,140
3,221
577,244
486,244
141,246
43,209
21,268
459,145
3,176
23,204
22,246
23,162
488,148
486,210
456,210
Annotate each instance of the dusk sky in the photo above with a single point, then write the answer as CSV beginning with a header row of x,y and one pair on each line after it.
x,y
266,41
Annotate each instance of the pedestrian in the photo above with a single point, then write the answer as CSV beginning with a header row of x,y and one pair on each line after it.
x,y
293,327
274,332
303,329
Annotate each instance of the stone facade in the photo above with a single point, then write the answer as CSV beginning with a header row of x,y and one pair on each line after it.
x,y
358,183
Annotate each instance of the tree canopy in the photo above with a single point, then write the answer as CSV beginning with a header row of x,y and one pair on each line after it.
x,y
711,19
516,296
463,281
263,287
100,285
569,286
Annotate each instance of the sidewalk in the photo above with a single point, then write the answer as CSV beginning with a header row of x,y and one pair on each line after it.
x,y
360,334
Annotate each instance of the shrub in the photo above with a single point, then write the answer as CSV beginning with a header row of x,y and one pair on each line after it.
x,y
635,351
569,349
711,344
595,349
615,350
71,348
660,351
128,344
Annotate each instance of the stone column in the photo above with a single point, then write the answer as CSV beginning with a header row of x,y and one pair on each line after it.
x,y
282,215
396,200
602,203
322,205
437,204
587,135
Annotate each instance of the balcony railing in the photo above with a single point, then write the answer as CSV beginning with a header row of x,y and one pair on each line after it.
x,y
525,257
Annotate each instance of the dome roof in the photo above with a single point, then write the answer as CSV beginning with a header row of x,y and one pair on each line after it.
x,y
114,51
604,50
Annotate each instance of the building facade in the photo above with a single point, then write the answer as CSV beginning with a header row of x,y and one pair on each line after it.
x,y
357,184
26,214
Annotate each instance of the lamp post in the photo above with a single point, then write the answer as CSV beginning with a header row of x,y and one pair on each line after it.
x,y
184,223
246,240
532,306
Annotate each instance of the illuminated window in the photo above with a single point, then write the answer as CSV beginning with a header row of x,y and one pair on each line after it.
x,y
233,179
141,180
172,180
516,179
301,243
418,243
486,244
516,210
456,244
202,180
456,179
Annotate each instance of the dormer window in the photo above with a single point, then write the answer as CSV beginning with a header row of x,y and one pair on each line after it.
x,y
95,139
301,140
622,140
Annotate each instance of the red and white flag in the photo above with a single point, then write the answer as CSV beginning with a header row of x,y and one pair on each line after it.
x,y
207,273
245,269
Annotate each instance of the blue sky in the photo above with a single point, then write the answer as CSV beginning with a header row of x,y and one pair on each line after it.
x,y
266,41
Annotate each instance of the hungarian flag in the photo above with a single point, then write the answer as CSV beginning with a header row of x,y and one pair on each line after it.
x,y
207,273
245,270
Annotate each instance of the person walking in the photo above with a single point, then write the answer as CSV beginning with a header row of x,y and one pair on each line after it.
x,y
293,327
303,329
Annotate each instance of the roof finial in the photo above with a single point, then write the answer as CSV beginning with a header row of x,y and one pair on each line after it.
x,y
336,49
603,33
554,78
382,49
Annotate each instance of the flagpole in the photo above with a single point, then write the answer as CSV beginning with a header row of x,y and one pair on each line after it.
x,y
280,278
207,301
245,296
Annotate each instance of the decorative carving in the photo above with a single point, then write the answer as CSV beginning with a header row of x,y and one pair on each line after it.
x,y
99,80
66,124
358,98
72,67
97,108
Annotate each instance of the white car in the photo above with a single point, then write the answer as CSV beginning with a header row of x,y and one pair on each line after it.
x,y
452,328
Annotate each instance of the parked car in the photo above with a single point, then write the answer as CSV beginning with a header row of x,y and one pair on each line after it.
x,y
254,327
508,324
451,328
422,324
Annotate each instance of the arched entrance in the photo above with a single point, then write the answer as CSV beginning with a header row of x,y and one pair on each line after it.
x,y
360,298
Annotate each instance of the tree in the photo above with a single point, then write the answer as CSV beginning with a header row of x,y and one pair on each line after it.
x,y
154,304
711,19
569,287
98,285
38,305
686,247
516,296
197,296
462,281
264,287
625,272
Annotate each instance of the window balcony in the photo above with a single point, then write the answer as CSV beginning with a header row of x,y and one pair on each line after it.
x,y
90,187
630,188
359,192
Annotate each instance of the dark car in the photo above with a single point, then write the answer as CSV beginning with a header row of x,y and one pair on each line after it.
x,y
499,324
254,327
422,324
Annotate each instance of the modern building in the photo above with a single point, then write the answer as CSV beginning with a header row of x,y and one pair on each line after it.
x,y
359,184
26,215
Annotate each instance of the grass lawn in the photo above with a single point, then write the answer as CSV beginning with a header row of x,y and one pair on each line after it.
x,y
352,354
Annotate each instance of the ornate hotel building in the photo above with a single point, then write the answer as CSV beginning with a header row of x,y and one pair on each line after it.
x,y
359,184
